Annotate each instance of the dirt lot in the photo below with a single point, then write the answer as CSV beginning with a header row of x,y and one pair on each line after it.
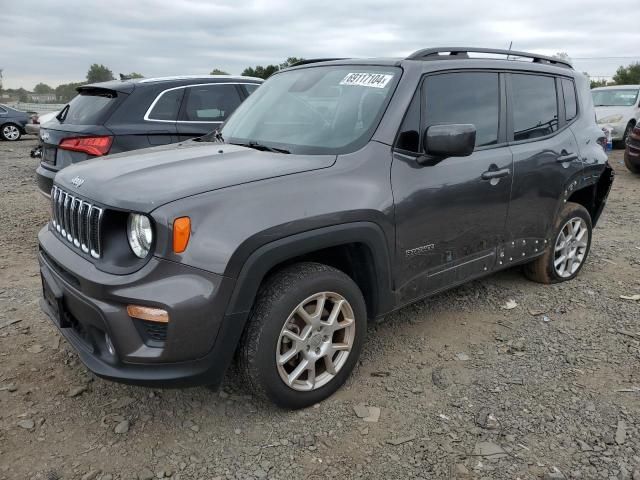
x,y
466,388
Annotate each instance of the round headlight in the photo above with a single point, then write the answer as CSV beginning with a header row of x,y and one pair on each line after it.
x,y
140,234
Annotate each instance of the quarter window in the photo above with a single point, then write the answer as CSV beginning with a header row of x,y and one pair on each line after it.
x,y
167,106
570,102
251,87
211,103
470,97
535,107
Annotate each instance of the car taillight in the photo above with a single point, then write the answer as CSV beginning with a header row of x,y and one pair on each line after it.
x,y
96,146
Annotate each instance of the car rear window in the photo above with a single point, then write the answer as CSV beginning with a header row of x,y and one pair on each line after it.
x,y
90,108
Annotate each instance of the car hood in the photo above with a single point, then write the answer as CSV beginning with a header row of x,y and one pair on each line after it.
x,y
143,180
602,112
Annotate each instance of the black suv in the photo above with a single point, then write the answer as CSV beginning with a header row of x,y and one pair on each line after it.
x,y
338,192
118,116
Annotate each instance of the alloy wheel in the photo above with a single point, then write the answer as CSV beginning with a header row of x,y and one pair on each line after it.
x,y
571,247
315,341
11,132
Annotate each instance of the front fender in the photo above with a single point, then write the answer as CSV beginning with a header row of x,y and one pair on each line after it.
x,y
265,258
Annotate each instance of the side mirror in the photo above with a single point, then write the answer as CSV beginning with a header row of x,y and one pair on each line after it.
x,y
442,141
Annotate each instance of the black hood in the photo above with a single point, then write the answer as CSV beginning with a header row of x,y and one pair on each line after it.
x,y
142,180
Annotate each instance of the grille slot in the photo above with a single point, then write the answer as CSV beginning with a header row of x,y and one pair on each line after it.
x,y
77,221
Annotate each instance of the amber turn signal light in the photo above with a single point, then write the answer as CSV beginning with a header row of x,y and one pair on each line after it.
x,y
147,313
181,234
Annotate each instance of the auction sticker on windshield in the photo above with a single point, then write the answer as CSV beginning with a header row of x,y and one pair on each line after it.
x,y
376,80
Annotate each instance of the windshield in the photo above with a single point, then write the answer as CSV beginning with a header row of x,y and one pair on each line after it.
x,y
324,109
615,98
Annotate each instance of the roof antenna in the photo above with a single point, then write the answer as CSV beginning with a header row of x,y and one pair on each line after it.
x,y
510,45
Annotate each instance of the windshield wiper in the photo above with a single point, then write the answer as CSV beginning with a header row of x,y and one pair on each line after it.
x,y
262,147
63,113
214,136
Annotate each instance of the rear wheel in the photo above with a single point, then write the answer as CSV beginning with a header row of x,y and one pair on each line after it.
x,y
10,132
304,335
632,167
569,249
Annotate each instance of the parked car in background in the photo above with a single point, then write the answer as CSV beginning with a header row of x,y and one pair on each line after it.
x,y
12,123
617,109
336,194
33,127
122,115
632,151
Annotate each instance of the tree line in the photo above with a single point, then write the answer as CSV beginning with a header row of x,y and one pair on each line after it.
x,y
625,75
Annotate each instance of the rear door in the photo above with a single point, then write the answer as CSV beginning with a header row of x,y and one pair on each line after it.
x,y
545,156
148,119
206,107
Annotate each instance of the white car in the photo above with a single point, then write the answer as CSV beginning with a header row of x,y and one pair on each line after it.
x,y
617,109
33,128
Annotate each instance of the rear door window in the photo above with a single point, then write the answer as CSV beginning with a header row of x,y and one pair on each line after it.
x,y
469,97
570,102
535,106
90,108
167,105
211,103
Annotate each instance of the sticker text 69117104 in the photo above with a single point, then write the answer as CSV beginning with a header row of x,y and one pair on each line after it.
x,y
375,80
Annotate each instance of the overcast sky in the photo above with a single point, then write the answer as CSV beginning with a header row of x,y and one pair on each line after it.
x,y
55,41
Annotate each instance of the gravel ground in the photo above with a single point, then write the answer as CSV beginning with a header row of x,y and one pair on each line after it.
x,y
464,387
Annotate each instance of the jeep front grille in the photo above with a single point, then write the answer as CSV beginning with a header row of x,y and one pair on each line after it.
x,y
77,221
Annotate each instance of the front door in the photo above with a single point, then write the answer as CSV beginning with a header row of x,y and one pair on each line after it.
x,y
450,217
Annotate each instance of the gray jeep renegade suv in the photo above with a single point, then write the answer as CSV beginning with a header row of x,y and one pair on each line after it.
x,y
338,192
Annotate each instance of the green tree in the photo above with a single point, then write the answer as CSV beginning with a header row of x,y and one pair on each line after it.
x,y
629,75
265,72
99,73
42,88
67,91
217,71
129,76
595,83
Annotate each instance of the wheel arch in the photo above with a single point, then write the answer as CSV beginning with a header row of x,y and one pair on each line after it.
x,y
594,196
358,249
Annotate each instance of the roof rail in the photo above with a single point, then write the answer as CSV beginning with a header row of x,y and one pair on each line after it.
x,y
314,60
462,52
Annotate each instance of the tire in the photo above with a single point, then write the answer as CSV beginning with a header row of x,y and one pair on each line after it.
x,y
632,167
543,269
277,306
10,132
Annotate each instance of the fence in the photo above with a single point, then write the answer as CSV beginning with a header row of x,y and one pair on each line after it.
x,y
37,107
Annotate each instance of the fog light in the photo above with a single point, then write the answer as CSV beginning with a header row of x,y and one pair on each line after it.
x,y
148,313
107,342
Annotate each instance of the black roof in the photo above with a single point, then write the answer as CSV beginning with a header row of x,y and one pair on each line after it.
x,y
126,86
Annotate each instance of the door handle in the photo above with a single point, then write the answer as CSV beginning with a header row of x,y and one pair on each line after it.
x,y
569,157
491,174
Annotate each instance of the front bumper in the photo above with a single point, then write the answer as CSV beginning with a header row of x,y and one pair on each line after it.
x,y
616,129
88,306
32,129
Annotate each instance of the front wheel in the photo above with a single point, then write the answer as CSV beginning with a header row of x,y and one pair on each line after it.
x,y
569,249
10,132
304,335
